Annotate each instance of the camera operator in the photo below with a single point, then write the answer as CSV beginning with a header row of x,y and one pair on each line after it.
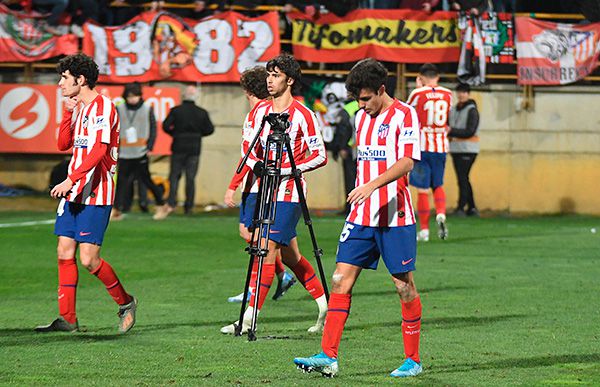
x,y
309,153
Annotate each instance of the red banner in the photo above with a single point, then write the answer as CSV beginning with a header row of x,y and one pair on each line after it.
x,y
30,115
161,46
555,54
402,36
23,40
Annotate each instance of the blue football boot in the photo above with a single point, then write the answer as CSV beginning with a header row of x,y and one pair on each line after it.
x,y
408,368
320,362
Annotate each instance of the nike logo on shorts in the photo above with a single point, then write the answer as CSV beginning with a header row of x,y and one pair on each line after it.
x,y
81,233
407,262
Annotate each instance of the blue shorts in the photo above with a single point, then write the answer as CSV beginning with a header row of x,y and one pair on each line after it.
x,y
363,245
287,216
429,172
85,224
247,209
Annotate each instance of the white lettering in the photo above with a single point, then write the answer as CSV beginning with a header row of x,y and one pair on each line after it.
x,y
215,36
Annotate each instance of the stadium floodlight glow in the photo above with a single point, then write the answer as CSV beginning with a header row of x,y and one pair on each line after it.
x,y
269,172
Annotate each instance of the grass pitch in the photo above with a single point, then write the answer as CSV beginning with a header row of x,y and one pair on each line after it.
x,y
505,302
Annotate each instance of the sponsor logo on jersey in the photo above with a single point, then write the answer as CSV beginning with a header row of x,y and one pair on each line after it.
x,y
383,130
371,153
407,132
313,141
80,142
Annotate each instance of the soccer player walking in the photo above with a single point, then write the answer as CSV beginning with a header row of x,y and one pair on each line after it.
x,y
90,126
309,153
254,83
381,220
433,104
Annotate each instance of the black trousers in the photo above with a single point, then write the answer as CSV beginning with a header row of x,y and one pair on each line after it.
x,y
180,163
131,170
462,166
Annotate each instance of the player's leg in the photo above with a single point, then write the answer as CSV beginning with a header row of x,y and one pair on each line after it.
x,y
90,228
305,273
399,252
68,278
266,280
175,171
438,167
356,250
284,279
325,362
411,324
420,178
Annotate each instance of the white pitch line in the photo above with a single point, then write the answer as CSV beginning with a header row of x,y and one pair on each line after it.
x,y
25,224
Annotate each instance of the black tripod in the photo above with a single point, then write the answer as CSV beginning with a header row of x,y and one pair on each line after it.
x,y
269,171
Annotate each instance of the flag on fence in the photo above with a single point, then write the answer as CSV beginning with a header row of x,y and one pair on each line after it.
x,y
471,64
23,40
554,53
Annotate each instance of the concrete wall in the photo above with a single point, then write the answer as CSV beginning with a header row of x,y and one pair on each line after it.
x,y
540,161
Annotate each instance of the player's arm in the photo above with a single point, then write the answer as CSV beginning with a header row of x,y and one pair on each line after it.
x,y
396,171
235,182
152,135
66,133
169,122
98,151
413,98
317,157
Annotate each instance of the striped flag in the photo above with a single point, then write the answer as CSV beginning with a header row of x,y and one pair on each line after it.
x,y
554,53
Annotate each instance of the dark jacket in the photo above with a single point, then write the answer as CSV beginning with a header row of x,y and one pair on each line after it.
x,y
187,124
472,122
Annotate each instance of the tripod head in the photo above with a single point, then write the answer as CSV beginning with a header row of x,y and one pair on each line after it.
x,y
279,122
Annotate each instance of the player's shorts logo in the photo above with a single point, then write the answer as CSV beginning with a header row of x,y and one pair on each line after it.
x,y
24,113
383,130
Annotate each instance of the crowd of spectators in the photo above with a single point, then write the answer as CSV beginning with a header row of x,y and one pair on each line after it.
x,y
73,13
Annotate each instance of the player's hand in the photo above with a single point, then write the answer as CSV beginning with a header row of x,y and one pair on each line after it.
x,y
228,199
71,102
62,189
359,194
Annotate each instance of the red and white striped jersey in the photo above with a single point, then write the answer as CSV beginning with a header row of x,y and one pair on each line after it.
x,y
91,125
381,141
433,108
306,143
250,182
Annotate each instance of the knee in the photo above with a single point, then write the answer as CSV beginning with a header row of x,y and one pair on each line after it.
x,y
406,290
339,284
65,253
91,263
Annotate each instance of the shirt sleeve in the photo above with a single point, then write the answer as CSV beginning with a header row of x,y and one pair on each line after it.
x,y
65,133
102,123
408,136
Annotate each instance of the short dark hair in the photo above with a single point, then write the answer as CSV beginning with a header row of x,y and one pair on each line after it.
x,y
463,87
288,65
367,74
429,70
80,64
254,81
133,88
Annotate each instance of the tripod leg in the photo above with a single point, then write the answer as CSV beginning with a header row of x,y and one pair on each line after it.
x,y
261,259
238,328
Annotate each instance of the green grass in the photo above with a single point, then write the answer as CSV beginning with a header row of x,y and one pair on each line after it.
x,y
506,302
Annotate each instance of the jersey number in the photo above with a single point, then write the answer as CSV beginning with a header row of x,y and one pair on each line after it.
x,y
437,112
346,232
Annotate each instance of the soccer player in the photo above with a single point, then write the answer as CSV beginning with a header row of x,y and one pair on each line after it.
x,y
433,104
254,83
381,220
90,126
309,153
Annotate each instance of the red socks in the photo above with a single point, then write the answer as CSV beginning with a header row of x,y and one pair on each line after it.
x,y
337,314
106,274
439,200
306,275
411,328
423,210
268,272
68,277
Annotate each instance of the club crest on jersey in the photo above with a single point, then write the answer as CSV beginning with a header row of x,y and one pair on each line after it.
x,y
383,130
84,122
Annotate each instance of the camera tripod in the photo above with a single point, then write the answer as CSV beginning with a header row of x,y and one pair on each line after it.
x,y
269,172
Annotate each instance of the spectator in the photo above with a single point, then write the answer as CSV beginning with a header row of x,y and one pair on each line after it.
x,y
137,136
423,5
464,147
474,7
505,5
187,124
56,7
379,4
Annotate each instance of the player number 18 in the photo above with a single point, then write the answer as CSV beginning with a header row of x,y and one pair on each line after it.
x,y
437,112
